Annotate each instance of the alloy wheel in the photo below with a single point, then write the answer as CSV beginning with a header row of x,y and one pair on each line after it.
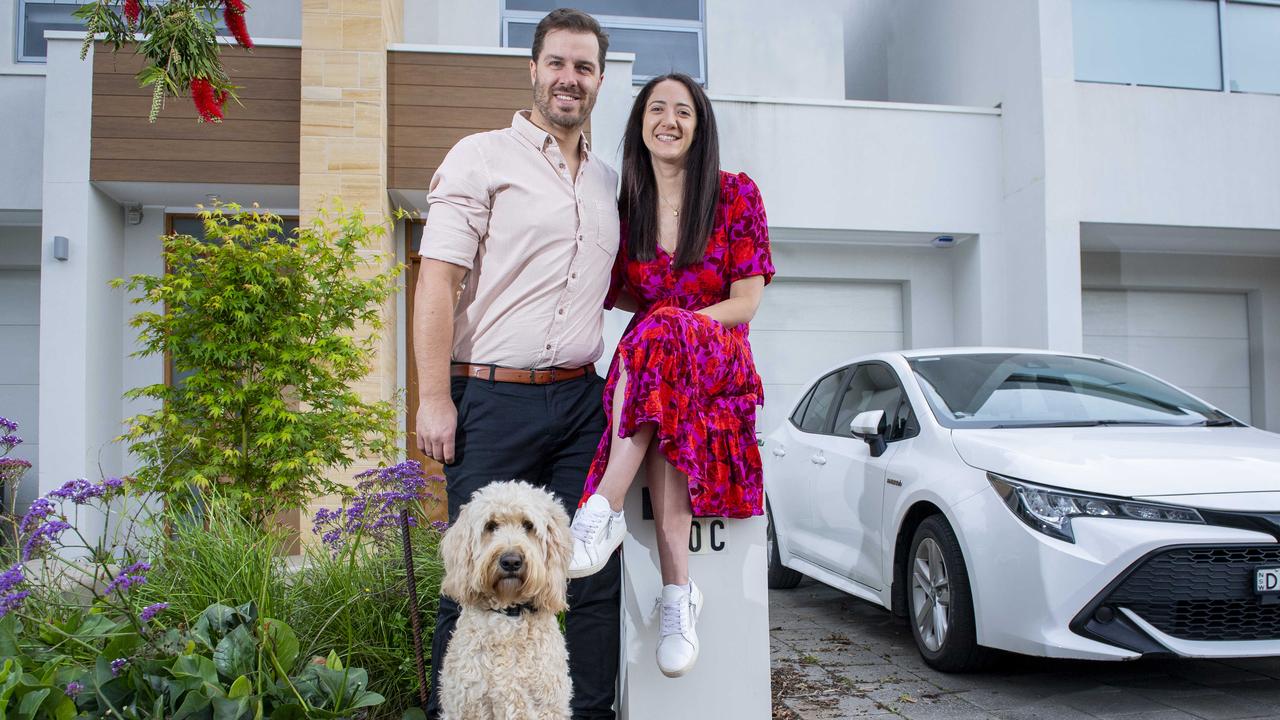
x,y
930,594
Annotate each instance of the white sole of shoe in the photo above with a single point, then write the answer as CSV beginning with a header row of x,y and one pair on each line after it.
x,y
598,566
694,660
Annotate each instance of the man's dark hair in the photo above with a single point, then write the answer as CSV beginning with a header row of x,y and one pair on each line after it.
x,y
573,21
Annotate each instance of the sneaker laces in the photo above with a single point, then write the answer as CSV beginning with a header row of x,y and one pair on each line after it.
x,y
673,615
586,524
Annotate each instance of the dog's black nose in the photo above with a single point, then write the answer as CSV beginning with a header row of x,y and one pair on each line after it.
x,y
511,562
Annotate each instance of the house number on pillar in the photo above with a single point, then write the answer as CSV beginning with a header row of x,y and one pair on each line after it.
x,y
706,535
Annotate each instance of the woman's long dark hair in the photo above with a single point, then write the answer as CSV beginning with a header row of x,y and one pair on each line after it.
x,y
638,204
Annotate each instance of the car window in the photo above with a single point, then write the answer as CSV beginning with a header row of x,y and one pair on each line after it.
x,y
873,387
798,416
820,405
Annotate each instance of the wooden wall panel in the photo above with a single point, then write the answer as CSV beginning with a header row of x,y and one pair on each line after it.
x,y
438,98
257,143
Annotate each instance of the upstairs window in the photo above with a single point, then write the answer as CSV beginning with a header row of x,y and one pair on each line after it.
x,y
36,16
668,36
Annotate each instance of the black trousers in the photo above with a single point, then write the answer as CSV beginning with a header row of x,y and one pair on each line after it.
x,y
546,435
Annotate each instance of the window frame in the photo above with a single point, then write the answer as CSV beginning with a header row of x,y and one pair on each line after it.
x,y
623,22
20,29
813,392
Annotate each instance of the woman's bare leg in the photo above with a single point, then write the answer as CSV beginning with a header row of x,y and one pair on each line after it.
x,y
625,454
672,515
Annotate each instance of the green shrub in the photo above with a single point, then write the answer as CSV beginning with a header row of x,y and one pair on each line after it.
x,y
268,335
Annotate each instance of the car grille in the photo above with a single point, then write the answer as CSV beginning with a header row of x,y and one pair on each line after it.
x,y
1203,593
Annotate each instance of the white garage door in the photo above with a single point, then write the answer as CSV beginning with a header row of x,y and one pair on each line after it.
x,y
805,326
1197,341
19,389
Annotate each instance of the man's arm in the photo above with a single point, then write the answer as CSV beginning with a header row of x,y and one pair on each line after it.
x,y
433,304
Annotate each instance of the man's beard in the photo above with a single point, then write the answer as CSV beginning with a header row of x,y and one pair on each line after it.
x,y
543,100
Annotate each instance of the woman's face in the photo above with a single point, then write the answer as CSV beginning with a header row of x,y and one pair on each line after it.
x,y
669,122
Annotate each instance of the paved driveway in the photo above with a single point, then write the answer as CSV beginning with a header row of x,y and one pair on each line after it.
x,y
838,657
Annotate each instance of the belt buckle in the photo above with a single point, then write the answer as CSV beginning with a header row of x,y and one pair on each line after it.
x,y
479,372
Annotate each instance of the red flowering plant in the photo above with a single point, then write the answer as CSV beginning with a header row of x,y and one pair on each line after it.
x,y
179,41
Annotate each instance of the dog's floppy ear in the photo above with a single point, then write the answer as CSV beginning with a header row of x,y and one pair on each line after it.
x,y
456,549
557,547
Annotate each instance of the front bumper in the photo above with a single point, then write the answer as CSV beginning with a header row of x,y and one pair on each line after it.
x,y
1092,599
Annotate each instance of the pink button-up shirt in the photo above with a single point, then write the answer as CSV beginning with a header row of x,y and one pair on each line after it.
x,y
538,244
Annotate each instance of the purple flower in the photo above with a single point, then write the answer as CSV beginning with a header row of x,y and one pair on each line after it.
x,y
128,578
74,688
42,537
10,596
77,491
374,512
149,612
38,511
10,442
8,425
117,666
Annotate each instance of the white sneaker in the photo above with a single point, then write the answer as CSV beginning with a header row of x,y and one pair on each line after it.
x,y
678,648
597,532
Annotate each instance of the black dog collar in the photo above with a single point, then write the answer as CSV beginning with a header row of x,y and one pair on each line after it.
x,y
516,610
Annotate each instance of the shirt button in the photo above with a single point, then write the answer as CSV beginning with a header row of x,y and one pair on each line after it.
x,y
561,311
574,276
548,347
561,166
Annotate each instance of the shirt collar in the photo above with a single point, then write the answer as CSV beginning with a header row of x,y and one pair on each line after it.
x,y
540,138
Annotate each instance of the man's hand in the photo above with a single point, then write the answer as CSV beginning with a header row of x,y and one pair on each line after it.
x,y
437,422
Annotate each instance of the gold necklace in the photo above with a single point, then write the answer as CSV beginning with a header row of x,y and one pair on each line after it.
x,y
674,211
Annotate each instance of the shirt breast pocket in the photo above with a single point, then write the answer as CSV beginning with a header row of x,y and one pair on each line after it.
x,y
606,222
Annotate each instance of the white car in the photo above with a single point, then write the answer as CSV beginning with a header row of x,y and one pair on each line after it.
x,y
1048,504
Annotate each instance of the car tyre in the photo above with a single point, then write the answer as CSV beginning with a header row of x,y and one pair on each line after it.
x,y
940,602
781,577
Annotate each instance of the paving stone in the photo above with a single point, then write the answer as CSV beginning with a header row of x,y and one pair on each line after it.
x,y
1110,702
1219,706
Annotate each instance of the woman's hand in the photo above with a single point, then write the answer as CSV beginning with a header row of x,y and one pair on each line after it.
x,y
740,308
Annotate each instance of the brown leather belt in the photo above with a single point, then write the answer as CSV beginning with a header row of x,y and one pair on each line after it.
x,y
494,373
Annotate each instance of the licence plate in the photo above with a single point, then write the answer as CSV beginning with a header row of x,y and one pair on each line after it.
x,y
1266,581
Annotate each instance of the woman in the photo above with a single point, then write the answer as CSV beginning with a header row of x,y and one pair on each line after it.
x,y
682,389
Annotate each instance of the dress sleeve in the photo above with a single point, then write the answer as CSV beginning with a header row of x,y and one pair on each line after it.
x,y
749,234
618,275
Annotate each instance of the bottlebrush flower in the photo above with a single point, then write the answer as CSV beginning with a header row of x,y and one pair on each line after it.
x,y
132,10
233,14
206,100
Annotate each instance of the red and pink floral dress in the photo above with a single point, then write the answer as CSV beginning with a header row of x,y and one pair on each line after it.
x,y
689,375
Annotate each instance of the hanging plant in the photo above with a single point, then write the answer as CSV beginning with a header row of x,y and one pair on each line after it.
x,y
178,40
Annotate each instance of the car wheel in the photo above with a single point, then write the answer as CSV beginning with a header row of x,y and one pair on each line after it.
x,y
781,577
939,603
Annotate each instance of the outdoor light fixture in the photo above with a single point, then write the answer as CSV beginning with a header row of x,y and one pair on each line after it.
x,y
133,214
944,241
61,248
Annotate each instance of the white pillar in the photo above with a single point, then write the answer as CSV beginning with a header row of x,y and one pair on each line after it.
x,y
81,354
731,678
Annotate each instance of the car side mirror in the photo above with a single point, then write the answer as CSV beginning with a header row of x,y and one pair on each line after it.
x,y
870,427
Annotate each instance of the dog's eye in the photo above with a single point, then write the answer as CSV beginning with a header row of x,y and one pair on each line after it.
x,y
528,526
490,526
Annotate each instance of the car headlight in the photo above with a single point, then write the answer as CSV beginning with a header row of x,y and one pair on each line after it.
x,y
1050,510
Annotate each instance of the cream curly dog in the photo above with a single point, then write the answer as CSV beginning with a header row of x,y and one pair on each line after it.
x,y
506,561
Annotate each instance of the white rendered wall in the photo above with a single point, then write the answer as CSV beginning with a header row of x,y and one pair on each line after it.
x,y
1018,55
21,142
862,166
453,22
143,253
81,355
776,49
1258,277
1178,157
868,31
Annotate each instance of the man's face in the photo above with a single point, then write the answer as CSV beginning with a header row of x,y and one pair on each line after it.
x,y
566,78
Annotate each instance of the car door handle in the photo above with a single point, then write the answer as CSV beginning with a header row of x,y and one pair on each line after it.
x,y
779,452
818,459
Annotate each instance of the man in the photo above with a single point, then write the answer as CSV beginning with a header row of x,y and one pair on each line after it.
x,y
527,216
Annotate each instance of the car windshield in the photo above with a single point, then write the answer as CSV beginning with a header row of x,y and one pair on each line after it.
x,y
998,390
